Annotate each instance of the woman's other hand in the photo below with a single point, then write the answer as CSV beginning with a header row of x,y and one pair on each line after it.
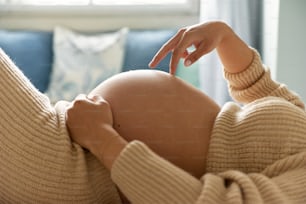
x,y
204,37
90,124
235,55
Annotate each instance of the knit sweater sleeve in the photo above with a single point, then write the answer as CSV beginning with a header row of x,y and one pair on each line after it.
x,y
255,82
146,178
38,161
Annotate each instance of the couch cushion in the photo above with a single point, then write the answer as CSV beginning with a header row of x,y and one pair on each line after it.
x,y
83,61
142,45
32,53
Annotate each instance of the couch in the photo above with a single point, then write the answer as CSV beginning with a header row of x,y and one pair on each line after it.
x,y
32,51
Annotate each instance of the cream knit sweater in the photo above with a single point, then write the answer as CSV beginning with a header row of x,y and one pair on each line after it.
x,y
38,162
257,153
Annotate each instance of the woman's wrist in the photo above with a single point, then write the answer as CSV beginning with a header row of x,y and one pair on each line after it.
x,y
113,151
108,151
234,53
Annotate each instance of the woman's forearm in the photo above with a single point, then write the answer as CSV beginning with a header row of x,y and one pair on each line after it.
x,y
109,153
235,54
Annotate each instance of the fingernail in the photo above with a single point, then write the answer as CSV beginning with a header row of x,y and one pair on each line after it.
x,y
187,63
150,64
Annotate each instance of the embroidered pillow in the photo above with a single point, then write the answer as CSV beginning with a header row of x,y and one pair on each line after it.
x,y
82,61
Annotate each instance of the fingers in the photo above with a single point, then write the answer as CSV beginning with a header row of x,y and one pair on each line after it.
x,y
179,44
80,97
84,106
196,54
180,51
96,98
89,98
166,48
83,100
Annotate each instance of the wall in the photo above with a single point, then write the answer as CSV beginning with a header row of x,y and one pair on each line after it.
x,y
291,59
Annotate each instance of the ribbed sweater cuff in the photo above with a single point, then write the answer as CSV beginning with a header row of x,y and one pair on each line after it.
x,y
252,83
248,76
144,177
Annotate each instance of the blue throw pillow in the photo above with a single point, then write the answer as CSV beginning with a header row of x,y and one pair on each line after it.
x,y
32,53
141,46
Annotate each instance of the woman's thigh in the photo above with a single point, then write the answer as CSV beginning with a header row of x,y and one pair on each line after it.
x,y
173,118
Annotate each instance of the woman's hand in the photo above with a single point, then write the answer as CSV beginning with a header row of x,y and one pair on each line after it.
x,y
204,37
90,124
233,52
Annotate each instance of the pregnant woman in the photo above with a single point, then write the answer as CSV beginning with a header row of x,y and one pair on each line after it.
x,y
154,137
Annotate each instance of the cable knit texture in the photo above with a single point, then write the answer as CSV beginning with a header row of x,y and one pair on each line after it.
x,y
38,162
257,152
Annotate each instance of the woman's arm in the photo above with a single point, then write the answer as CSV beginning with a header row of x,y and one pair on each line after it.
x,y
144,177
254,80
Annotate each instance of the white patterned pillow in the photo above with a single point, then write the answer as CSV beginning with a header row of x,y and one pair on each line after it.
x,y
81,61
